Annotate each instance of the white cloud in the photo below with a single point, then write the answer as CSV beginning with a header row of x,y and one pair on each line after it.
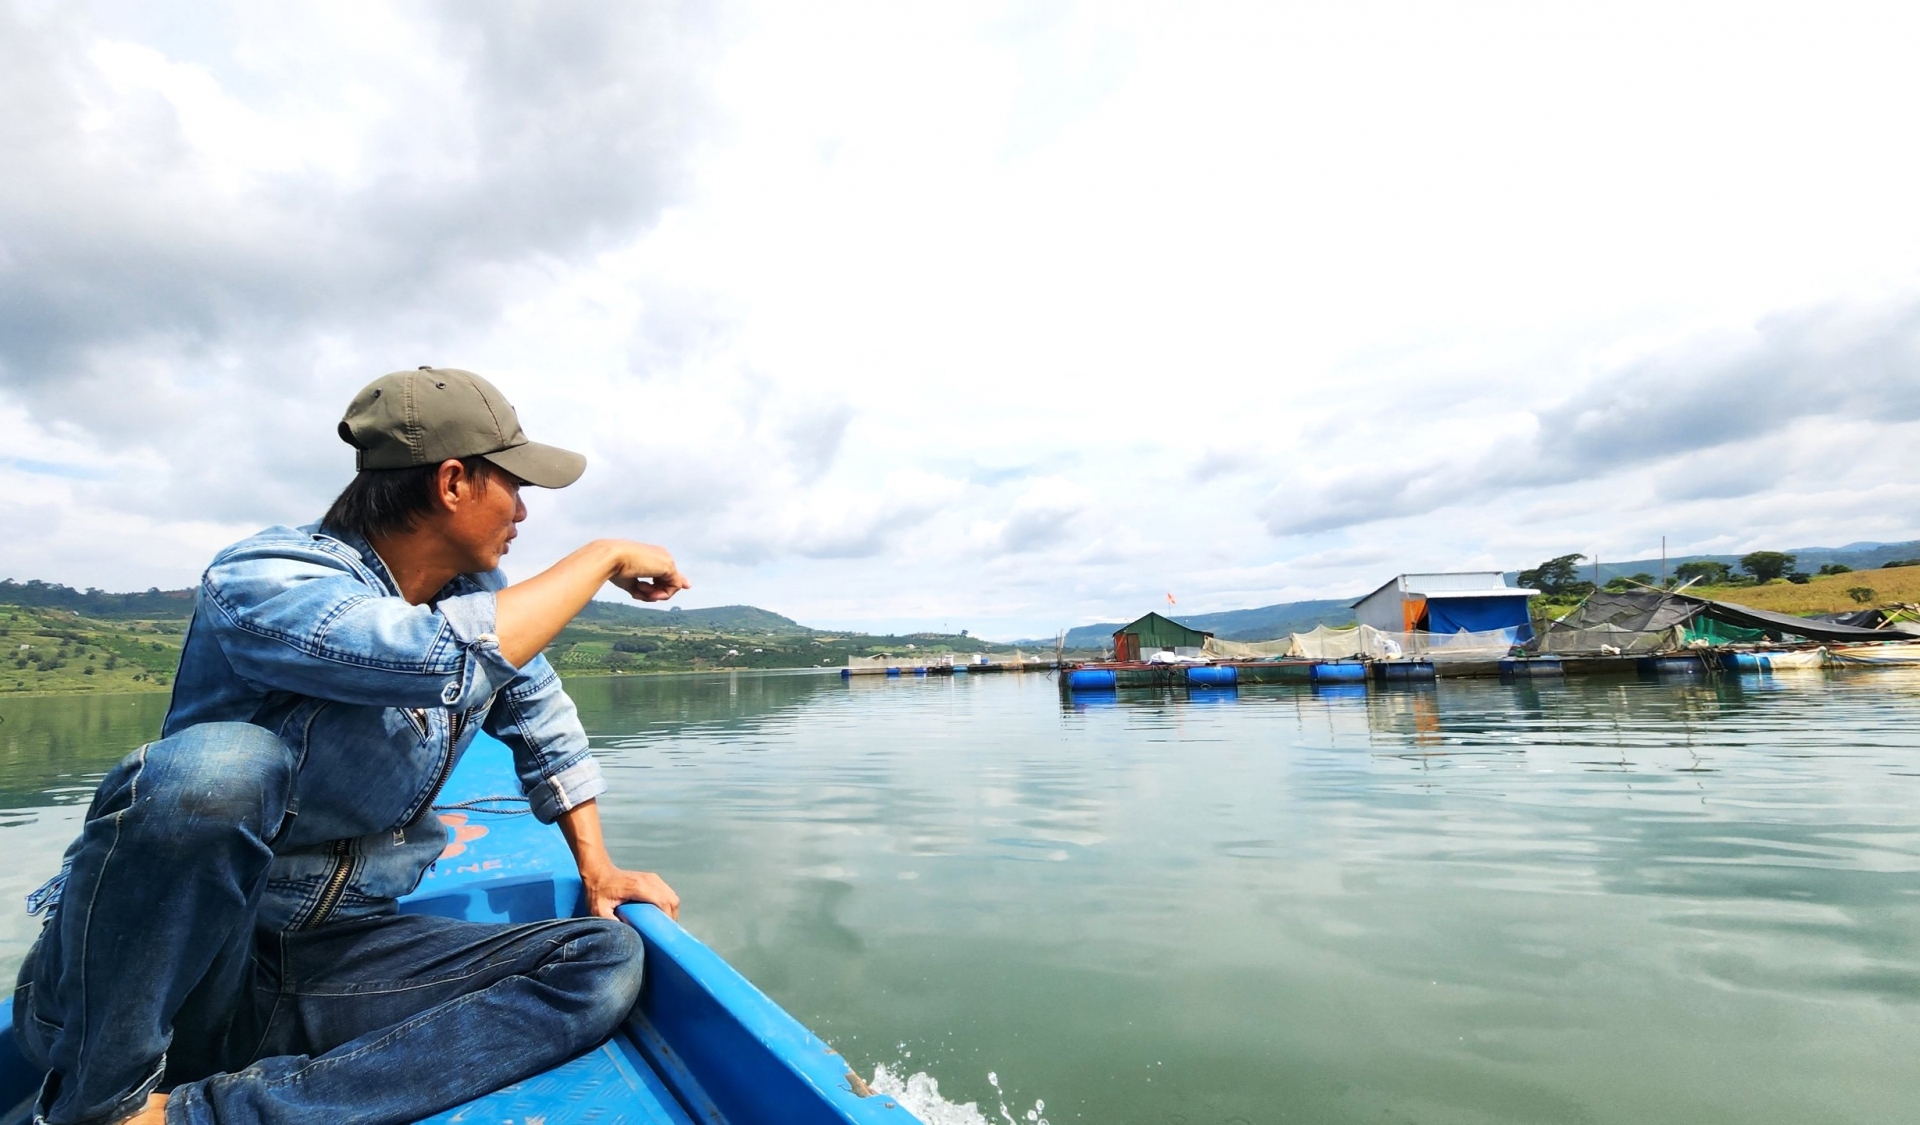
x,y
905,315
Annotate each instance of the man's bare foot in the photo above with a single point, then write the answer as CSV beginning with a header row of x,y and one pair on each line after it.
x,y
153,1113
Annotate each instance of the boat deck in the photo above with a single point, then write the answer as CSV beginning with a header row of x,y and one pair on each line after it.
x,y
613,1083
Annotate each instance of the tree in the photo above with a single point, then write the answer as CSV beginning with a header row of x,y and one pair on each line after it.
x,y
1639,581
1860,594
1709,573
1765,566
1836,568
1556,576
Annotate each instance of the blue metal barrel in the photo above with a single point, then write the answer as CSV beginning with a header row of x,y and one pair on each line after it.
x,y
846,673
1339,672
1532,666
1208,675
1395,670
1745,662
1091,679
1672,665
893,671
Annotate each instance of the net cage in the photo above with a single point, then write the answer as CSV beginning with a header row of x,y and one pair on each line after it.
x,y
1365,641
1610,623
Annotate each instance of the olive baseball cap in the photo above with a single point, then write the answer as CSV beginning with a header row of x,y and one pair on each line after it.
x,y
413,418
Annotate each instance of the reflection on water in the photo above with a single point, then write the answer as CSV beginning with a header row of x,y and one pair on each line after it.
x,y
1590,900
54,748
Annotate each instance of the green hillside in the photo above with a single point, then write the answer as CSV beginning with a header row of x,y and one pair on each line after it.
x,y
51,650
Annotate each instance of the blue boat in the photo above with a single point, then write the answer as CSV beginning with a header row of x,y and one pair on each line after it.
x,y
703,1045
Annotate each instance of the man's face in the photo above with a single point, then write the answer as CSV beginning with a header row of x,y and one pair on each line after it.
x,y
482,525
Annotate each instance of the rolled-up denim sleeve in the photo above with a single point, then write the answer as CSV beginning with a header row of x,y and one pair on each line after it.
x,y
303,621
540,725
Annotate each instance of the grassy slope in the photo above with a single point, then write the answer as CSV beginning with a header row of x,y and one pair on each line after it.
x,y
67,653
50,650
1825,594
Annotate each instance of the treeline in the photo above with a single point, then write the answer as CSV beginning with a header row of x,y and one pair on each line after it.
x,y
153,605
1560,577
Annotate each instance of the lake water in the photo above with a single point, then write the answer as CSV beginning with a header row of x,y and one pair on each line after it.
x,y
1597,901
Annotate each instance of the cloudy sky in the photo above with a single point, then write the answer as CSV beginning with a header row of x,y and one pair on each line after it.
x,y
1003,317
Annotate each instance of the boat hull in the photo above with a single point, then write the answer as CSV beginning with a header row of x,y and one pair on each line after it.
x,y
702,1045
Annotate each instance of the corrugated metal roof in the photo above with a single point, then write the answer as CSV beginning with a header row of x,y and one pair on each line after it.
x,y
1448,582
1451,584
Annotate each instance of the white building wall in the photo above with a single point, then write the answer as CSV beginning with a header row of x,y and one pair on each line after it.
x,y
1382,609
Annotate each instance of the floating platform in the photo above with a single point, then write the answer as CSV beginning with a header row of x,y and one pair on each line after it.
x,y
1112,676
898,668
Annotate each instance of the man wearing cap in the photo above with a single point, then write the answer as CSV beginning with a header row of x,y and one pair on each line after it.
x,y
223,942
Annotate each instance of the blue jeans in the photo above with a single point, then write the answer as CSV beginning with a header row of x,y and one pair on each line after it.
x,y
152,976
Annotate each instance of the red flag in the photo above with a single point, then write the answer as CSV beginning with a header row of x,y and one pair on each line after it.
x,y
1170,600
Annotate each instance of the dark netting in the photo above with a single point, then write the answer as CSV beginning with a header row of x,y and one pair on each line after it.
x,y
1641,621
1609,622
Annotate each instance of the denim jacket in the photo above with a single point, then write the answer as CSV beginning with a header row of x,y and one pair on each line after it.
x,y
305,633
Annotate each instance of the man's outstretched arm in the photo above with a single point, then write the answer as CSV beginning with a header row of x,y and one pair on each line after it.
x,y
608,886
529,614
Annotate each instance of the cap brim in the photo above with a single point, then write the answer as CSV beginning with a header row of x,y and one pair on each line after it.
x,y
544,466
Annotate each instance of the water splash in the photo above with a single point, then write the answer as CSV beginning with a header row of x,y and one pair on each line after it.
x,y
919,1093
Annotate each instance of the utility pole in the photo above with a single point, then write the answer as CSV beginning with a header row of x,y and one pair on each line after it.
x,y
1663,561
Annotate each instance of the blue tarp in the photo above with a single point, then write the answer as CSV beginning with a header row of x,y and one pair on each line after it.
x,y
1479,615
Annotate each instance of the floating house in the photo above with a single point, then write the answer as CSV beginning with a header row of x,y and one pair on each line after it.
x,y
1154,633
1474,601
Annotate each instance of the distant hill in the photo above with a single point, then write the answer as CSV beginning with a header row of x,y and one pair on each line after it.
x,y
1859,556
1266,623
728,618
154,605
177,605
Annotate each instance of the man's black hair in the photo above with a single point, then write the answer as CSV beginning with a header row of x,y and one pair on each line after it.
x,y
379,502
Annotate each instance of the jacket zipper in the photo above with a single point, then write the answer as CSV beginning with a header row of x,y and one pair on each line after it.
x,y
343,849
336,884
336,880
455,726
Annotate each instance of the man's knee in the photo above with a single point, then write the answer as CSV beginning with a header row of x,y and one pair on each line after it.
x,y
210,778
613,955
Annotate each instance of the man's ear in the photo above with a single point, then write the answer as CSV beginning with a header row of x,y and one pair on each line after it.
x,y
447,484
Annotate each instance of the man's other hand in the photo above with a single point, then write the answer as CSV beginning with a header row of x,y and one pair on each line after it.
x,y
529,614
613,887
654,590
647,572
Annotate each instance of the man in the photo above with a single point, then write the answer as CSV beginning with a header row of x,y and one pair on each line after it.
x,y
224,944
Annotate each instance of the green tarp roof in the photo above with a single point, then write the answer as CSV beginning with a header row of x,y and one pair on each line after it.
x,y
1156,631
